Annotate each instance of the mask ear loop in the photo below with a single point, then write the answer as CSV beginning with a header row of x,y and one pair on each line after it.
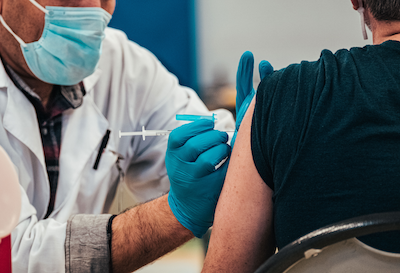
x,y
5,25
22,43
39,6
361,10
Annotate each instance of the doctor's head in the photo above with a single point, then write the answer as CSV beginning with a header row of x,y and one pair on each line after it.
x,y
45,39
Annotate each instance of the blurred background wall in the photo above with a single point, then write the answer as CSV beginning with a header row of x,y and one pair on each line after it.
x,y
201,41
282,32
166,28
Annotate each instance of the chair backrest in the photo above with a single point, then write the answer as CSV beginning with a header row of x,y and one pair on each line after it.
x,y
334,249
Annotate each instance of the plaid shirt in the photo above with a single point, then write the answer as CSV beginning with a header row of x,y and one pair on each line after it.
x,y
50,123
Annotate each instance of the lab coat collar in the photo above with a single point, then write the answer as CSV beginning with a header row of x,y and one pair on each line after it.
x,y
20,117
90,82
83,130
20,120
5,81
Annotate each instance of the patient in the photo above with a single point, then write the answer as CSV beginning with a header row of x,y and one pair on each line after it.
x,y
320,144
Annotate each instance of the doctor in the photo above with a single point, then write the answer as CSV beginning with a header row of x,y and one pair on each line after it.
x,y
68,84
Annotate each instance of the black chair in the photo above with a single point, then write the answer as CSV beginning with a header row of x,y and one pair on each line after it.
x,y
334,248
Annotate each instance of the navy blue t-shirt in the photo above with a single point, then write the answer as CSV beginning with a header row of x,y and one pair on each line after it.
x,y
326,140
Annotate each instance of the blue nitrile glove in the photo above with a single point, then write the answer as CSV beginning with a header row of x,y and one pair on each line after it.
x,y
244,86
194,150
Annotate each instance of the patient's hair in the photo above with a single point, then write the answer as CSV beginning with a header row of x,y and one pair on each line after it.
x,y
384,10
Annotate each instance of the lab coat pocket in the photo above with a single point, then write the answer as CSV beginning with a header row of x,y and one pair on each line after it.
x,y
96,184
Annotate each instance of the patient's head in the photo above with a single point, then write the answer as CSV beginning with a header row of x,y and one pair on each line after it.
x,y
384,10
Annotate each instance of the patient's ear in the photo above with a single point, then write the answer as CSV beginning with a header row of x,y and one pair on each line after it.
x,y
355,3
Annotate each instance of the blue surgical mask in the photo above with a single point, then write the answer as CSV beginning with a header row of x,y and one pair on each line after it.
x,y
70,47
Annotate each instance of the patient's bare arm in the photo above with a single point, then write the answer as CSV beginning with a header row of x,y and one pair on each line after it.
x,y
242,235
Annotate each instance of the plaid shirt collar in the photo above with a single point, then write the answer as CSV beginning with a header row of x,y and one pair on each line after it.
x,y
65,97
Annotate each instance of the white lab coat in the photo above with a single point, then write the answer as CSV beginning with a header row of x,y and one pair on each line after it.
x,y
129,89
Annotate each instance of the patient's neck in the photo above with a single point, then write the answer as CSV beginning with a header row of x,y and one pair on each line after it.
x,y
383,31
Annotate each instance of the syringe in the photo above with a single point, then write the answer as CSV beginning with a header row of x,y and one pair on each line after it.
x,y
145,133
185,117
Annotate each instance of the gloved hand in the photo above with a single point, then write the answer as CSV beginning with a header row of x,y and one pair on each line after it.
x,y
244,86
193,151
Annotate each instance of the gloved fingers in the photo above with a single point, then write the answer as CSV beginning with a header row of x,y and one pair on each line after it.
x,y
196,145
240,115
244,77
243,110
265,69
207,161
180,135
191,219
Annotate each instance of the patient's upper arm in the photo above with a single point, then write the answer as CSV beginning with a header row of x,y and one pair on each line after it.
x,y
242,235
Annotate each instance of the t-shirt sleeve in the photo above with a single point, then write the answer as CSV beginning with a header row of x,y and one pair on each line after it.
x,y
284,102
259,151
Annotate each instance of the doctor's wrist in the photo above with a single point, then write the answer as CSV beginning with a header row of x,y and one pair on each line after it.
x,y
145,233
109,238
184,220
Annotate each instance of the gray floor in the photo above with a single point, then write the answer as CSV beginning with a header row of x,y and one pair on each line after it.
x,y
170,267
187,259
